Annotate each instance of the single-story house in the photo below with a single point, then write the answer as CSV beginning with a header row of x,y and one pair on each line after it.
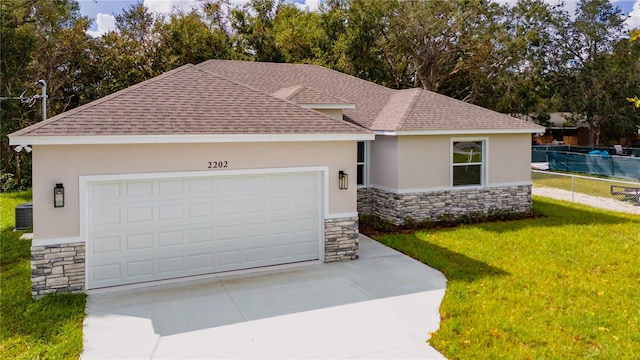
x,y
562,131
230,165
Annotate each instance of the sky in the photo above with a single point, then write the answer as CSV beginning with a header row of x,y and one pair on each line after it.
x,y
102,11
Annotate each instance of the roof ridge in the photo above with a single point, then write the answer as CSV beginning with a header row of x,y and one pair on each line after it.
x,y
302,65
279,99
412,105
99,101
295,92
395,111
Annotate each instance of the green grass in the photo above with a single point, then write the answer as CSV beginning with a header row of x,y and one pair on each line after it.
x,y
50,328
566,286
581,185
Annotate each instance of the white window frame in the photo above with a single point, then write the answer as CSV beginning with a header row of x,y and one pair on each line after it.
x,y
365,170
484,165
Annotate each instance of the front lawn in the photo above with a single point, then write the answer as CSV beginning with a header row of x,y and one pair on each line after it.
x,y
566,286
50,328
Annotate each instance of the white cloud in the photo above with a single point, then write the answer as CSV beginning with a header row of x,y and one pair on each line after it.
x,y
311,5
167,6
633,21
105,24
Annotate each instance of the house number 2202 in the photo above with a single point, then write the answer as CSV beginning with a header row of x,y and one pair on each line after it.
x,y
218,164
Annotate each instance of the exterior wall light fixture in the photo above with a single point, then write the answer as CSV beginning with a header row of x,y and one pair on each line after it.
x,y
58,196
343,180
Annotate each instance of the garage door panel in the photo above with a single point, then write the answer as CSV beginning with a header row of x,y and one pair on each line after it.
x,y
139,269
141,214
108,217
139,242
106,245
170,188
257,204
199,262
200,187
170,239
105,273
138,189
283,227
165,228
226,258
203,209
240,185
171,265
228,206
105,191
200,235
171,212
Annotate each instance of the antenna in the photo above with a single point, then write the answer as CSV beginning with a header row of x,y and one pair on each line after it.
x,y
31,100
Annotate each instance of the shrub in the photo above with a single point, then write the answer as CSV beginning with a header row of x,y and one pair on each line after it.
x,y
372,224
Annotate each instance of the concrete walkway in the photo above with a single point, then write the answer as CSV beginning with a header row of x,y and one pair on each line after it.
x,y
384,305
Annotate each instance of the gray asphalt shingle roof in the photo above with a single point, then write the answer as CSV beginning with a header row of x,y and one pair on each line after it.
x,y
238,97
189,100
377,107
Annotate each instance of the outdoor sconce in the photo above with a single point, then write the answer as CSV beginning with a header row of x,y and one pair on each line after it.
x,y
343,180
58,196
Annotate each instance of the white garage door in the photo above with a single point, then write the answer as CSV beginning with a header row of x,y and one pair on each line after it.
x,y
153,229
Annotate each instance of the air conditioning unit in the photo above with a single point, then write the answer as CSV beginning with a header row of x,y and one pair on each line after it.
x,y
24,216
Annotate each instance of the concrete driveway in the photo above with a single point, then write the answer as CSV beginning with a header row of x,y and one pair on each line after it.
x,y
383,305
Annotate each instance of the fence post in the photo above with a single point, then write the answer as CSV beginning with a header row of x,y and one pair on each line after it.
x,y
573,178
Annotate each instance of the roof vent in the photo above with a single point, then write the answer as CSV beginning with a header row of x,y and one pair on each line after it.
x,y
24,216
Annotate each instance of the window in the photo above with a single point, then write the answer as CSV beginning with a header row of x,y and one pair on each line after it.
x,y
468,163
362,163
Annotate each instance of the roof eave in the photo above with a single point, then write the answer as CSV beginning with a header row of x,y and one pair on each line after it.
x,y
457,132
182,139
327,106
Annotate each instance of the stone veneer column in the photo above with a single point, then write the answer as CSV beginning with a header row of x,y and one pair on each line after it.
x,y
57,268
456,202
341,239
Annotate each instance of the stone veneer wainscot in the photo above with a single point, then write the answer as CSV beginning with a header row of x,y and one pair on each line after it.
x,y
455,202
341,239
57,268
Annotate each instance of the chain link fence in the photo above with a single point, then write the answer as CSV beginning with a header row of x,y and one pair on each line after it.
x,y
626,191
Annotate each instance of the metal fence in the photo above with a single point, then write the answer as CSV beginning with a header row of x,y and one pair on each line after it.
x,y
603,164
539,153
627,191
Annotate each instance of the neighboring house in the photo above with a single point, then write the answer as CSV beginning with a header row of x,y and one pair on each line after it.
x,y
231,165
563,132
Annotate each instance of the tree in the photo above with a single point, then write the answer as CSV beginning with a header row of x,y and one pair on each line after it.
x,y
40,40
188,38
530,58
253,26
589,39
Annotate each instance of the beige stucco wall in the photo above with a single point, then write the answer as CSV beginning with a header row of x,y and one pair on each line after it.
x,y
509,158
383,170
424,161
334,113
64,164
